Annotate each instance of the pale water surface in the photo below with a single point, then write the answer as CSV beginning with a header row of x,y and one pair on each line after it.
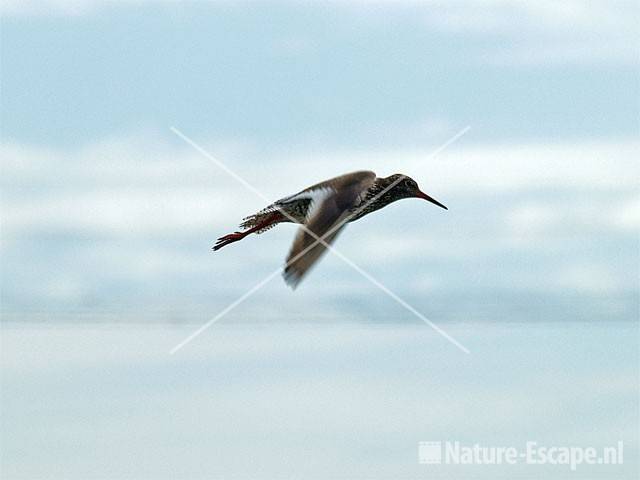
x,y
310,401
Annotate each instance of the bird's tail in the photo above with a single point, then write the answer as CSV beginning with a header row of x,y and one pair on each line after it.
x,y
264,220
258,223
230,238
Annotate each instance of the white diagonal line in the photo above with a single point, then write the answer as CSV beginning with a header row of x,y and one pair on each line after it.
x,y
321,240
450,141
261,284
230,307
220,164
376,282
247,294
283,212
373,280
318,240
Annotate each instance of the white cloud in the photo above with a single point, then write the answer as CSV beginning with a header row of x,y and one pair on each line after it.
x,y
120,210
534,219
495,16
540,31
121,186
527,31
49,7
588,278
146,186
137,205
497,167
627,215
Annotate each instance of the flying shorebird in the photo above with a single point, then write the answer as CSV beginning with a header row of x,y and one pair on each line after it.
x,y
323,210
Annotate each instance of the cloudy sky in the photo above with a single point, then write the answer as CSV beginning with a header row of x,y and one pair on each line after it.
x,y
105,210
108,218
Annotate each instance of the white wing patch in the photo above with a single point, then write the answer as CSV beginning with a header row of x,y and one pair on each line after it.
x,y
317,197
328,208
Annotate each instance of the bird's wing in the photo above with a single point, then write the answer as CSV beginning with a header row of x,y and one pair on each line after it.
x,y
327,215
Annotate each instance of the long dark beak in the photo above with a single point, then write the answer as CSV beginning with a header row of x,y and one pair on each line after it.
x,y
426,197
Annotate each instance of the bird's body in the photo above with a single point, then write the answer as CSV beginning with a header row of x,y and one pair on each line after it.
x,y
323,210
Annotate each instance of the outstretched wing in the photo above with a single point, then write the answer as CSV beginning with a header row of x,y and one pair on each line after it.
x,y
328,213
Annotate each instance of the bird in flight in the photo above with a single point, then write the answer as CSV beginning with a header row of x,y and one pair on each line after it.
x,y
323,210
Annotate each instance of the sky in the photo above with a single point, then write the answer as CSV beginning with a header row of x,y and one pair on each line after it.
x,y
105,210
520,116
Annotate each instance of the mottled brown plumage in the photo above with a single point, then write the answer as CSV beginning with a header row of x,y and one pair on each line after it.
x,y
323,210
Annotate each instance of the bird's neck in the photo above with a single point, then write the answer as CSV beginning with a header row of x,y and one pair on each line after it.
x,y
382,191
376,197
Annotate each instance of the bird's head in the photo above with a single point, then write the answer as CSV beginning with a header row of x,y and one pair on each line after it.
x,y
406,187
